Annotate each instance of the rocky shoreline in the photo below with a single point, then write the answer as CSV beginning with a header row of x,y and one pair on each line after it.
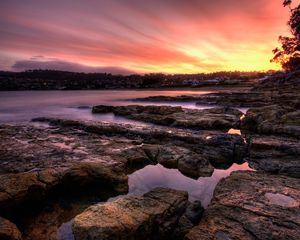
x,y
65,170
278,90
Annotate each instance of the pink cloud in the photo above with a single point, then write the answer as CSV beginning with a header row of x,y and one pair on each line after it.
x,y
205,35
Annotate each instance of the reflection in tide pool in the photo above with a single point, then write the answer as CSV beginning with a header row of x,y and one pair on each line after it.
x,y
202,189
234,131
65,231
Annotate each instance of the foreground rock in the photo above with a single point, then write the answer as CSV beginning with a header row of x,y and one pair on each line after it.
x,y
214,118
74,160
74,155
8,230
274,154
251,205
274,119
152,216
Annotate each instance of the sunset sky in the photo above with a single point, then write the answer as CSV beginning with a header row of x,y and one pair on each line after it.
x,y
125,36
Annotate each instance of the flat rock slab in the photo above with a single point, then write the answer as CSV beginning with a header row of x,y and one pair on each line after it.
x,y
213,118
236,99
27,148
151,216
251,205
224,98
274,154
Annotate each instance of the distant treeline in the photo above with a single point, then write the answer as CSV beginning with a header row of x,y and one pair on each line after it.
x,y
62,80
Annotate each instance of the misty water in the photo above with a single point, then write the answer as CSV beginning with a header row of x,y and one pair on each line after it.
x,y
22,106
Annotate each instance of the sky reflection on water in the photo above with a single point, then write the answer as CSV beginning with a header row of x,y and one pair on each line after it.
x,y
153,176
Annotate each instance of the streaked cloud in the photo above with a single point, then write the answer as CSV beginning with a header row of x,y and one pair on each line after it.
x,y
142,36
41,63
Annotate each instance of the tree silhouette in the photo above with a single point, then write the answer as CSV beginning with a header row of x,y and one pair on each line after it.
x,y
288,55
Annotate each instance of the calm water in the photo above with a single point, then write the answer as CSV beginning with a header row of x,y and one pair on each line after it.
x,y
20,106
202,189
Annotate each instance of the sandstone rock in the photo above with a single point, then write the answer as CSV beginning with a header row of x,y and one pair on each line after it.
x,y
20,189
152,216
251,205
274,154
274,119
214,118
8,230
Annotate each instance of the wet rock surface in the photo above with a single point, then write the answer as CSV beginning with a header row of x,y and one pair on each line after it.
x,y
151,216
251,205
214,118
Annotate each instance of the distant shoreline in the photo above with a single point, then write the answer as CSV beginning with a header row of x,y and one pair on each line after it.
x,y
212,88
58,80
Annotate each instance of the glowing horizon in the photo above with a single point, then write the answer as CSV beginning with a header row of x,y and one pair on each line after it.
x,y
169,36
